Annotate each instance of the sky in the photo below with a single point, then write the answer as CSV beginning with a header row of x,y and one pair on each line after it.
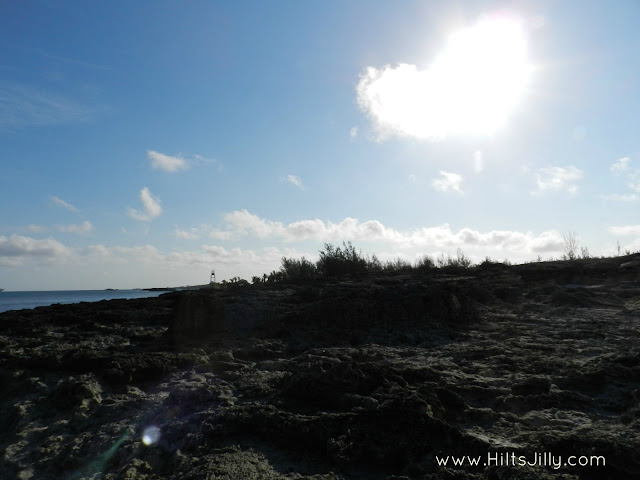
x,y
144,144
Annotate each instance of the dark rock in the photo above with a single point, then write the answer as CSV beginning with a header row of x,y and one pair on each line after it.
x,y
80,392
197,314
532,386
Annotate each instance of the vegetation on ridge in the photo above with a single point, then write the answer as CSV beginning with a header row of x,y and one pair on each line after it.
x,y
338,261
347,261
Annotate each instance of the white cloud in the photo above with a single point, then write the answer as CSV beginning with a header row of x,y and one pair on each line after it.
x,y
220,235
167,163
353,133
294,180
558,178
625,230
412,178
151,206
35,228
635,186
449,182
478,161
632,197
16,247
82,229
471,87
10,261
61,203
244,222
546,242
98,250
195,233
622,165
186,235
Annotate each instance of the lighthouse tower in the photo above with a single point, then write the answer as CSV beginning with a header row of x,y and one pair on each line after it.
x,y
212,279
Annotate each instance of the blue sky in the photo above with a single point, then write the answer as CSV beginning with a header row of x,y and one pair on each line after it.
x,y
146,143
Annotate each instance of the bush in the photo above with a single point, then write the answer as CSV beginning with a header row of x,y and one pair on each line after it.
x,y
570,246
302,269
346,260
425,263
488,261
335,262
460,261
374,264
275,277
397,265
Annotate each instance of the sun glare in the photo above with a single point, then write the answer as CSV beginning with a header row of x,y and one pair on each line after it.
x,y
471,88
485,68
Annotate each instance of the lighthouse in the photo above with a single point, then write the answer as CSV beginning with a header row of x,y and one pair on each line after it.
x,y
212,279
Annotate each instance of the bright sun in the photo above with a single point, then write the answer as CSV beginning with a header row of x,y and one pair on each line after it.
x,y
470,88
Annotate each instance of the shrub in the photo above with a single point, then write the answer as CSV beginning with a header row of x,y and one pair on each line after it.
x,y
275,277
336,261
488,261
302,269
425,263
374,264
460,261
570,246
397,265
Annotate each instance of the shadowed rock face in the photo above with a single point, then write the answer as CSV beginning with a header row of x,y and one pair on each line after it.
x,y
196,314
334,311
371,378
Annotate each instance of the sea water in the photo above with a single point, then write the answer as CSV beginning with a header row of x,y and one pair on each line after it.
x,y
18,300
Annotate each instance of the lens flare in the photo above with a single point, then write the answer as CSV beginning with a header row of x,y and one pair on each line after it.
x,y
151,435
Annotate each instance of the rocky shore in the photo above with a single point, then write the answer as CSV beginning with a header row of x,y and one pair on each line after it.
x,y
377,377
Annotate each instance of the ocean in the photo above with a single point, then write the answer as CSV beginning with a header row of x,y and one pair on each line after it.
x,y
18,300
